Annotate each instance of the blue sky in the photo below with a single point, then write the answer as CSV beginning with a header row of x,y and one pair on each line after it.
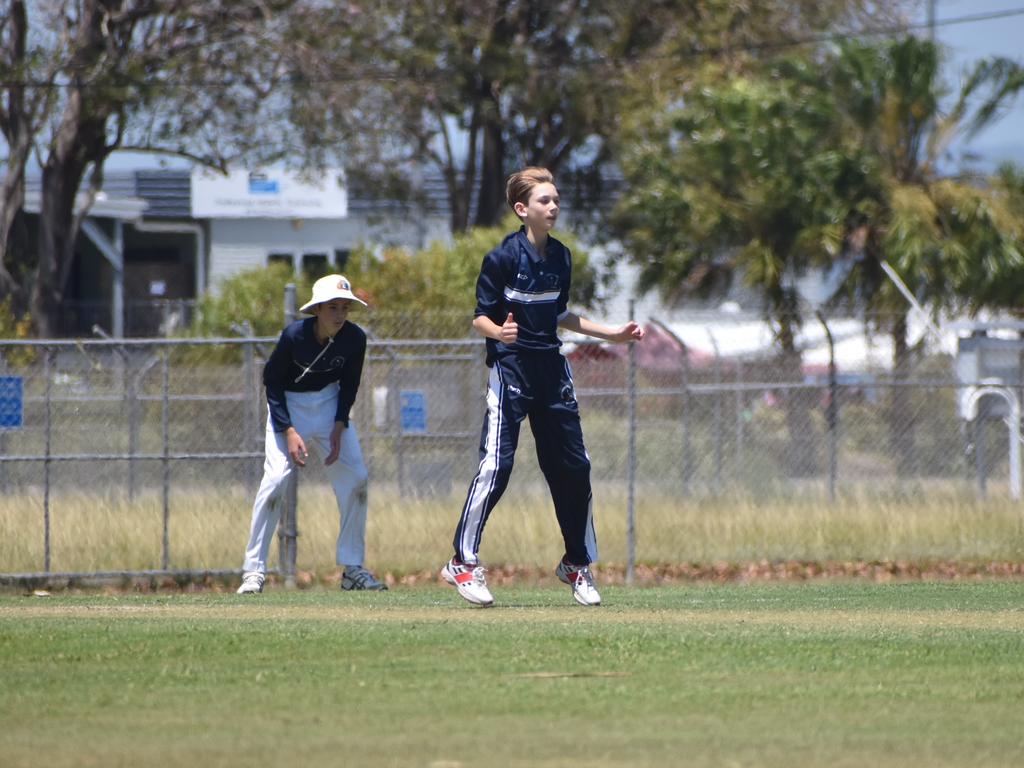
x,y
968,43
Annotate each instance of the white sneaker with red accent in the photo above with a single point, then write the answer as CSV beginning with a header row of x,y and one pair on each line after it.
x,y
581,580
470,580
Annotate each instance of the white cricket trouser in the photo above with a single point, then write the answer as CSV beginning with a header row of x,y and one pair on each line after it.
x,y
312,415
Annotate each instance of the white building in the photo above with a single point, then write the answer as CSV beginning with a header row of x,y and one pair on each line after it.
x,y
162,238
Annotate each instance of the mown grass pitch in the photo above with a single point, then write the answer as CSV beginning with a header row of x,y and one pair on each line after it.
x,y
773,675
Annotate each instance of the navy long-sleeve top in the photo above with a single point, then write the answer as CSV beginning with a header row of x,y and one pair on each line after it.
x,y
533,287
297,365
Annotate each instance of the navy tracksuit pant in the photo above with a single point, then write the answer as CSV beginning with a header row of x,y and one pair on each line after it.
x,y
538,386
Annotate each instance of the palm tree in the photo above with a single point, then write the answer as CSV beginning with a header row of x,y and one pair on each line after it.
x,y
947,235
740,177
772,174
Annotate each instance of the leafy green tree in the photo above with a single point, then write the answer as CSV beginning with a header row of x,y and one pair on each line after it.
x,y
944,232
772,174
474,88
951,236
1000,283
740,176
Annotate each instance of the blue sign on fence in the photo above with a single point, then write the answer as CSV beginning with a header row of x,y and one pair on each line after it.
x,y
414,411
11,402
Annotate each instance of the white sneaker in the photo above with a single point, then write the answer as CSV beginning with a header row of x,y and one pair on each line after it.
x,y
470,581
581,580
252,583
357,577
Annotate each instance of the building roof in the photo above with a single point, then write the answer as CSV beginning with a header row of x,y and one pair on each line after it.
x,y
168,193
107,205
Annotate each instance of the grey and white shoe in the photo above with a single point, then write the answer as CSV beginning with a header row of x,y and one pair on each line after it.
x,y
470,580
581,580
356,578
252,583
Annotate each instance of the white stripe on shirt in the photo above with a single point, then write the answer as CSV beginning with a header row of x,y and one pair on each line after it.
x,y
531,298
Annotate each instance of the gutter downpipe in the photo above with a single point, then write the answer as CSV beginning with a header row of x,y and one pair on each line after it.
x,y
113,252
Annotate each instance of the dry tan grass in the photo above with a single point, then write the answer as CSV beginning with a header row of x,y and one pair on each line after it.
x,y
208,529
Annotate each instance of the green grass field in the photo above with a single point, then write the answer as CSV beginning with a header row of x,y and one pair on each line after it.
x,y
759,675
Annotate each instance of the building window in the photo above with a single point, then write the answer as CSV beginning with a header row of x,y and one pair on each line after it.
x,y
341,256
314,265
282,258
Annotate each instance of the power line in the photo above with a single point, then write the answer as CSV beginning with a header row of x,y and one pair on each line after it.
x,y
833,37
370,75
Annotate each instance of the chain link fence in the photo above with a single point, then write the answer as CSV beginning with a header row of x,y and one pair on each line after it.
x,y
169,434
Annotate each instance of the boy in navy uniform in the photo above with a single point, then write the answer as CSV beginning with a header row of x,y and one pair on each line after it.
x,y
311,379
522,299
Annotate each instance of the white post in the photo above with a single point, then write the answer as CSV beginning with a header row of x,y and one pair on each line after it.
x,y
1014,426
631,452
1012,423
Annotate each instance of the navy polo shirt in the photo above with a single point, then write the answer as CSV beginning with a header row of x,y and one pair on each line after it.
x,y
533,287
297,365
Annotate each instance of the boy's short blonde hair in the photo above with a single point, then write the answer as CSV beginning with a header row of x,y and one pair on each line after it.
x,y
521,183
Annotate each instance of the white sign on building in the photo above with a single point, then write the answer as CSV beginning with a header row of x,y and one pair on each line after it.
x,y
267,194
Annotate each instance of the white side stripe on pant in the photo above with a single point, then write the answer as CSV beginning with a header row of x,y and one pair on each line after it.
x,y
475,512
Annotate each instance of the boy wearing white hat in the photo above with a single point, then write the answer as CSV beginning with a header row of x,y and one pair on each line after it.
x,y
311,379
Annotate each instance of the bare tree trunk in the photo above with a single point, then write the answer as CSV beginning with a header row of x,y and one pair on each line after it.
x,y
79,141
458,197
56,246
16,128
459,186
12,198
491,199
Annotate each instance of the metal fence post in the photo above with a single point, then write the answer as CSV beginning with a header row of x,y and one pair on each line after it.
x,y
631,478
289,524
980,465
288,532
686,427
48,372
250,410
831,412
716,416
738,403
165,429
397,440
128,385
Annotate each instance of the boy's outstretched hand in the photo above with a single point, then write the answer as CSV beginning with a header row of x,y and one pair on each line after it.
x,y
631,331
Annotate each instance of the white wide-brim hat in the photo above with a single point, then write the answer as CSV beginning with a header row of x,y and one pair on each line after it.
x,y
328,288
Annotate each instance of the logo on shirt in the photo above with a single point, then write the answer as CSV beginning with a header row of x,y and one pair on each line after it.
x,y
325,365
514,389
